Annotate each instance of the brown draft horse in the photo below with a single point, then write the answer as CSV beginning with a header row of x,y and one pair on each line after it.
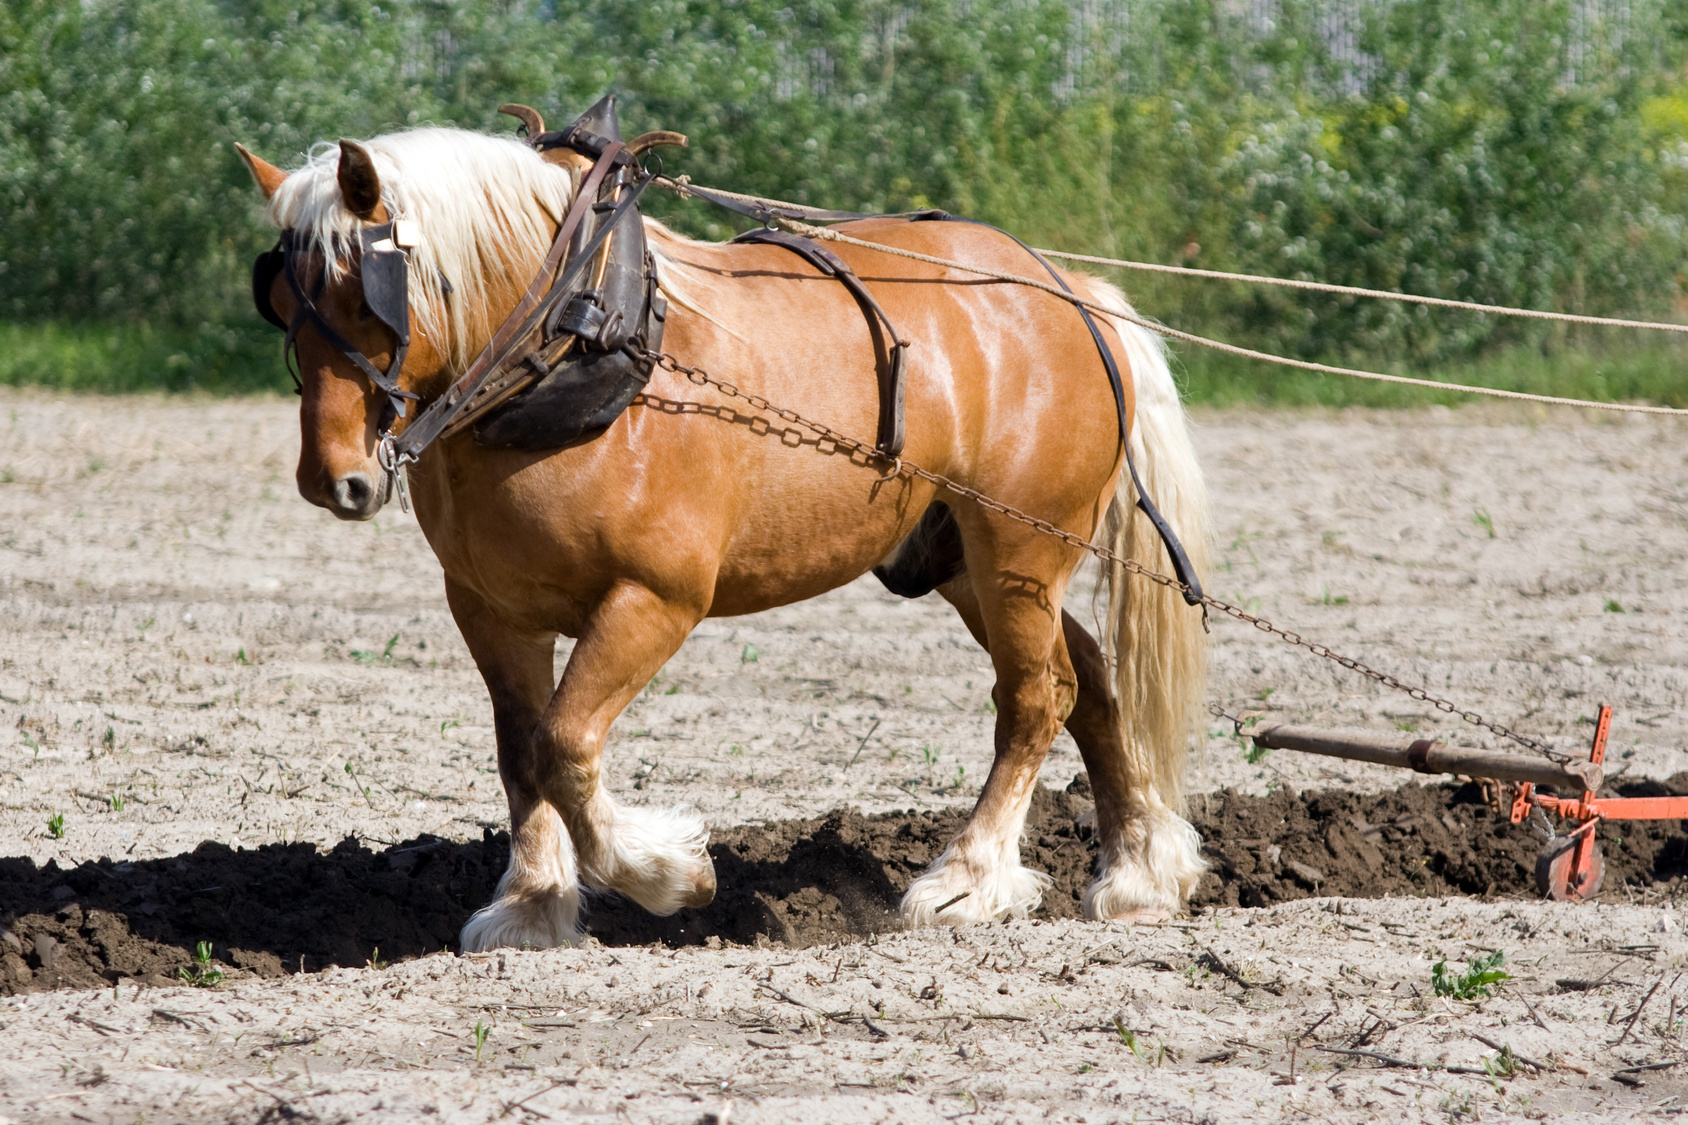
x,y
628,541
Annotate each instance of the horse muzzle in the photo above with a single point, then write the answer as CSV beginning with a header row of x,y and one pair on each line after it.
x,y
354,496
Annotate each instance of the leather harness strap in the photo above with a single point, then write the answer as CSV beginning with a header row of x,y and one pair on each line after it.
x,y
892,386
1181,565
541,293
765,212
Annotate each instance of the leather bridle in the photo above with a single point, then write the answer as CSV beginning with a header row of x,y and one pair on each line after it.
x,y
384,270
384,267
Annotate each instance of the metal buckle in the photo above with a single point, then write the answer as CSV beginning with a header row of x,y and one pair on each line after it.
x,y
392,464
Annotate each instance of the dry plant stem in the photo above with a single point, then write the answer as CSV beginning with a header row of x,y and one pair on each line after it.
x,y
1635,1015
1404,1064
1526,1060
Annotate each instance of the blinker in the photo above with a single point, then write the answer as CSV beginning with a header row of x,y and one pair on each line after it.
x,y
265,269
385,270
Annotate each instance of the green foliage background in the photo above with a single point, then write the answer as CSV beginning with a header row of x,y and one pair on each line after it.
x,y
1530,152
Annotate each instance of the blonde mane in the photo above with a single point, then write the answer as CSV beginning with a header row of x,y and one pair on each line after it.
x,y
485,210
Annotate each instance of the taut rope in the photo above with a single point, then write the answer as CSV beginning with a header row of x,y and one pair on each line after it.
x,y
773,207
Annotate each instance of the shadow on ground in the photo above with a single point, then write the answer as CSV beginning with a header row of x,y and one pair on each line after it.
x,y
290,908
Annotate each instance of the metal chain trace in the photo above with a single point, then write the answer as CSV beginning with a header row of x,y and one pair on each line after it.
x,y
901,467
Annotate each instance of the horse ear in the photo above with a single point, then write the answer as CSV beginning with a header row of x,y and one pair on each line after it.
x,y
267,176
360,187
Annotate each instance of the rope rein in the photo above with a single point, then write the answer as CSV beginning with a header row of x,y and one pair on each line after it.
x,y
1356,291
681,186
1217,345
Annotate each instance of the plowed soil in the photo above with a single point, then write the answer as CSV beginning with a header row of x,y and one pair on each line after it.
x,y
291,908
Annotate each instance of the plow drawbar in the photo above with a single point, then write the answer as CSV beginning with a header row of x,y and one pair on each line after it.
x,y
1570,867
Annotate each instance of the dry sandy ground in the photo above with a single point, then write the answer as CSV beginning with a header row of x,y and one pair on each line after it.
x,y
188,652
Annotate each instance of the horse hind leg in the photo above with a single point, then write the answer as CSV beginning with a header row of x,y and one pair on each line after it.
x,y
979,877
1150,857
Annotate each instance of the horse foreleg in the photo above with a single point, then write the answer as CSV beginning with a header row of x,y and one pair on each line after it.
x,y
538,899
656,857
1150,857
978,877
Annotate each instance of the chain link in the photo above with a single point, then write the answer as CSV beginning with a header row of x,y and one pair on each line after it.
x,y
905,468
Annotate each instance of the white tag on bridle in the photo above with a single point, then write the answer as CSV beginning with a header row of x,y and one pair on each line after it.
x,y
404,233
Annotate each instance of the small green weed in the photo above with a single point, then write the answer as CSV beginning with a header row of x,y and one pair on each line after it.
x,y
200,974
1245,542
240,656
1482,978
109,738
55,826
375,961
1337,599
1503,1065
118,804
1611,605
1482,519
480,1033
1127,1036
359,783
30,741
367,656
750,654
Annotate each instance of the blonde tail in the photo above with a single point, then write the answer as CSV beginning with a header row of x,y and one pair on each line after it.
x,y
1154,640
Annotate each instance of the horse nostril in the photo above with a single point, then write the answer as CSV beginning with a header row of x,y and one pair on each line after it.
x,y
353,492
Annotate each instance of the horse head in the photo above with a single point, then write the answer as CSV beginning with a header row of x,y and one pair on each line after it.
x,y
340,291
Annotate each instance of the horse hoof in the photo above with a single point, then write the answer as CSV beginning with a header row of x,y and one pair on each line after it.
x,y
524,922
953,892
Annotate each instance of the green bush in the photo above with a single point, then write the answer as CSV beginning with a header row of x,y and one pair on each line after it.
x,y
1528,152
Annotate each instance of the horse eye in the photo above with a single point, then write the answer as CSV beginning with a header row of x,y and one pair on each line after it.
x,y
364,311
